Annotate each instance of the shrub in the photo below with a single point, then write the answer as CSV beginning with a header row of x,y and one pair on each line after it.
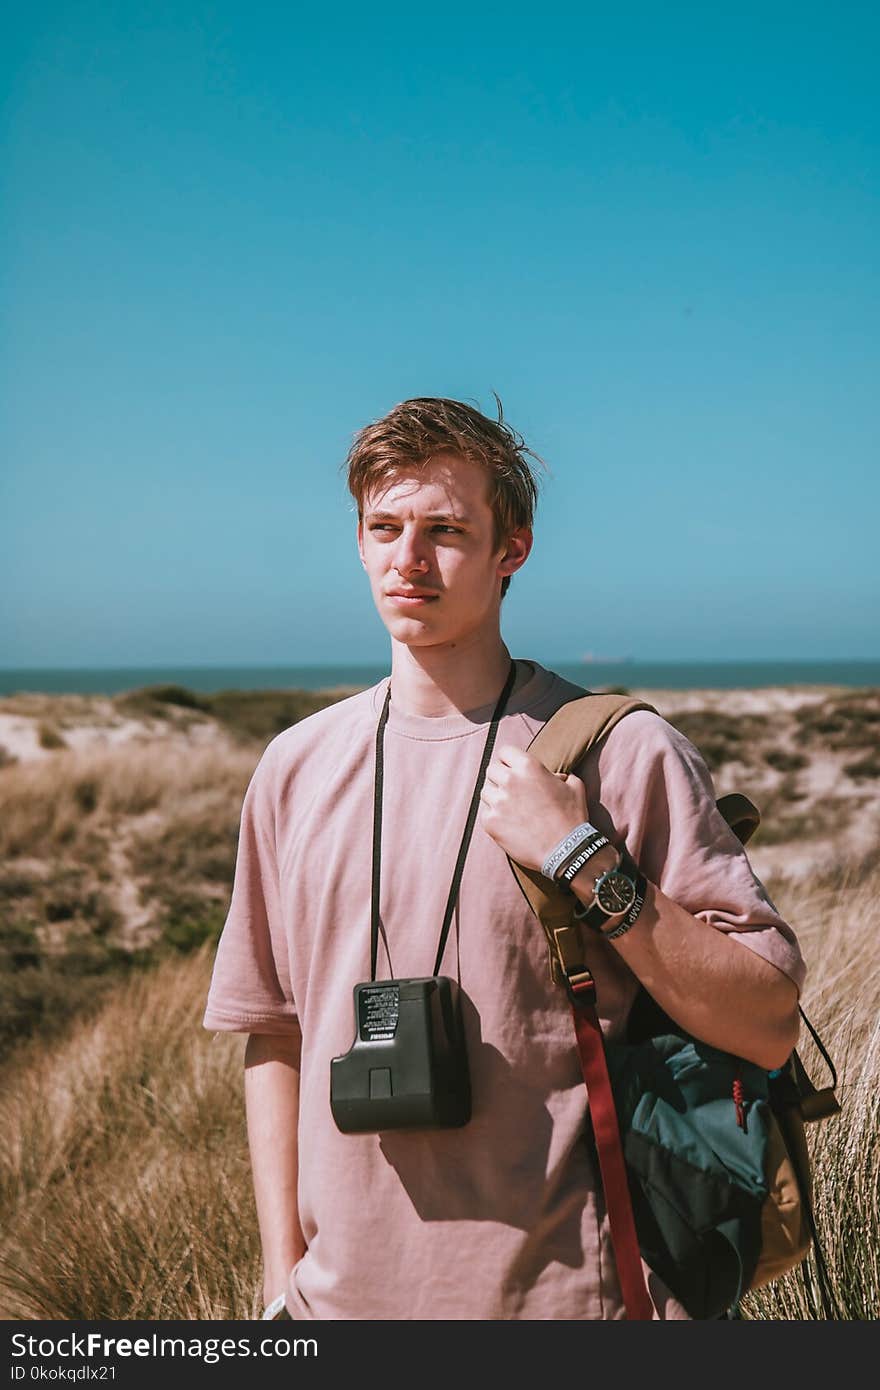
x,y
50,736
784,761
721,738
261,714
148,697
851,720
867,767
187,933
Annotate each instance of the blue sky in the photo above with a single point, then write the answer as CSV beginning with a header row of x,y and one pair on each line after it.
x,y
235,233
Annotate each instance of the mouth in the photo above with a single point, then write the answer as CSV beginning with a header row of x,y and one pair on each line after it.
x,y
411,600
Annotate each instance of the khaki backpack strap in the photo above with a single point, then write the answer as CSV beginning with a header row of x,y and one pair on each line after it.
x,y
560,745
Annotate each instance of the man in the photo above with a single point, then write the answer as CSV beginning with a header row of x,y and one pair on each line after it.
x,y
502,1217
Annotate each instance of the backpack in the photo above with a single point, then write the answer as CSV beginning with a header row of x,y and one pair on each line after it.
x,y
702,1155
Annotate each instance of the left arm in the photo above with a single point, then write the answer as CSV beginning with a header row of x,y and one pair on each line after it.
x,y
711,985
709,981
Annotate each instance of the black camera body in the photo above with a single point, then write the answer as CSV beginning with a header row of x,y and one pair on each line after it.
x,y
407,1067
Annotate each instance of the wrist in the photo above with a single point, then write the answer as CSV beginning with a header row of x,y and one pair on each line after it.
x,y
275,1280
613,903
274,1309
574,839
623,922
583,884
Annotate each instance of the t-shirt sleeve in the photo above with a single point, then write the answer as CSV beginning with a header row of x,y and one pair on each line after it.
x,y
250,988
657,791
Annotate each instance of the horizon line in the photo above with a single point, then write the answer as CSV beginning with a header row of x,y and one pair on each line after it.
x,y
379,661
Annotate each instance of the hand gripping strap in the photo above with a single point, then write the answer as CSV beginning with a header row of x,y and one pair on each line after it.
x,y
560,745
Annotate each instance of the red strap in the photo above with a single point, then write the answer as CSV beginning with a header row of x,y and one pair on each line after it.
x,y
591,1051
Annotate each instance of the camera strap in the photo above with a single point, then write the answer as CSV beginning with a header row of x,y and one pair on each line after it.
x,y
465,839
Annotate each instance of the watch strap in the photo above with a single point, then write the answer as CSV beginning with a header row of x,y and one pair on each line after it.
x,y
594,915
632,916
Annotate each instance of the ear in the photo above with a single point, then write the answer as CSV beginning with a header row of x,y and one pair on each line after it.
x,y
360,540
516,551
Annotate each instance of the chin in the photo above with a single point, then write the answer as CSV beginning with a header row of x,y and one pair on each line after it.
x,y
413,632
419,638
408,622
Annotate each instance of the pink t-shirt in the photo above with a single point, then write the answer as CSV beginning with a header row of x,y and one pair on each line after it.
x,y
504,1217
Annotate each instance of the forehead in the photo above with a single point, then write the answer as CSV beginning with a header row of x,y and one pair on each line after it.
x,y
447,484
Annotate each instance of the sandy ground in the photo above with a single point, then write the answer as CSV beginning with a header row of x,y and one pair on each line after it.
x,y
100,727
768,700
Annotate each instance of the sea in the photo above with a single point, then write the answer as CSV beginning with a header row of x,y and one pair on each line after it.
x,y
593,674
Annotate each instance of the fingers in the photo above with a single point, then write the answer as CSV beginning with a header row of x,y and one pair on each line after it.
x,y
510,755
509,762
499,764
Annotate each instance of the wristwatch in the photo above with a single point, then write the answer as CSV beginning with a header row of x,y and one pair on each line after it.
x,y
615,892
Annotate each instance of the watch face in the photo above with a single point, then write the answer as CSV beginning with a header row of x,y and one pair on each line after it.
x,y
615,893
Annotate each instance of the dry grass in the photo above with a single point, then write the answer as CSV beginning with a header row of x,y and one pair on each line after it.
x,y
838,925
124,1178
55,804
108,821
119,836
106,853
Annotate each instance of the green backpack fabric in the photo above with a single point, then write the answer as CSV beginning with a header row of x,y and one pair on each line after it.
x,y
700,1181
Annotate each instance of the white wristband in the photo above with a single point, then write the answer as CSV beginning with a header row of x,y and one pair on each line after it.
x,y
274,1308
573,841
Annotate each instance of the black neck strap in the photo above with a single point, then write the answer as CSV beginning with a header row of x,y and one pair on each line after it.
x,y
465,839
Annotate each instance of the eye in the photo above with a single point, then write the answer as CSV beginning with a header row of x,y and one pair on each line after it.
x,y
456,530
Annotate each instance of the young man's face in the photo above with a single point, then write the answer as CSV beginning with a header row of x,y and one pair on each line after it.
x,y
426,541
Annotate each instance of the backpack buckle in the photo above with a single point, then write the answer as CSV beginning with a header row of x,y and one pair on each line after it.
x,y
580,986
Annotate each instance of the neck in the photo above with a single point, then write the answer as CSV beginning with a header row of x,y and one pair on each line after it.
x,y
453,679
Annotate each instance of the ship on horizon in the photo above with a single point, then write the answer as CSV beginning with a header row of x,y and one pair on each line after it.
x,y
591,659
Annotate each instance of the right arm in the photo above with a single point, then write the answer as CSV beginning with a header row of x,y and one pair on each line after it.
x,y
271,1086
251,992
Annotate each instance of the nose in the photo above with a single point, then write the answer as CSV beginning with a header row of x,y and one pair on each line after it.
x,y
410,555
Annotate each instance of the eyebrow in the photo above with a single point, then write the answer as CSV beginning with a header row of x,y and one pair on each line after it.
x,y
432,516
